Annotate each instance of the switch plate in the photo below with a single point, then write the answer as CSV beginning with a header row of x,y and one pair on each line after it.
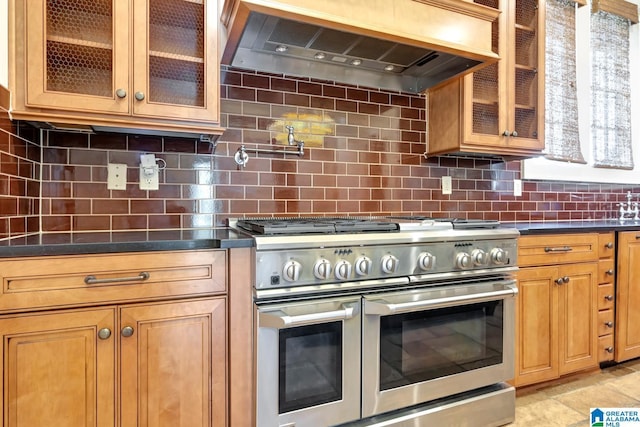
x,y
517,187
446,185
116,176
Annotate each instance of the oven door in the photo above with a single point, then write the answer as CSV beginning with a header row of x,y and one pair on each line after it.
x,y
428,343
308,362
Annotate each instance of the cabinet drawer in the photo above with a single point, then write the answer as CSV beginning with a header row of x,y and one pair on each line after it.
x,y
557,249
606,245
605,322
44,282
606,271
605,348
606,297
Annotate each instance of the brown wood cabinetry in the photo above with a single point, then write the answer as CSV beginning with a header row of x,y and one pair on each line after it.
x,y
556,310
499,109
627,331
606,296
148,64
127,363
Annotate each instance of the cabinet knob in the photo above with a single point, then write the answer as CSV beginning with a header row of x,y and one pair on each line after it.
x,y
139,96
127,331
609,349
121,93
506,133
514,134
565,279
608,297
609,272
609,245
608,324
104,333
559,281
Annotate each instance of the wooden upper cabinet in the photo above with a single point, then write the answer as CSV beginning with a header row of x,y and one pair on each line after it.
x,y
500,108
77,54
148,64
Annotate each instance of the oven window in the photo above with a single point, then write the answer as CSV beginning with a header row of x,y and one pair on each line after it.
x,y
310,371
421,346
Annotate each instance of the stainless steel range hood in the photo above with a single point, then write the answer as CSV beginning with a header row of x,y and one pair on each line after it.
x,y
400,45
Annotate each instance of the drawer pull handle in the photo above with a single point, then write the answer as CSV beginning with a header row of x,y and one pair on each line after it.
x,y
609,349
562,249
93,280
608,297
609,245
609,272
608,324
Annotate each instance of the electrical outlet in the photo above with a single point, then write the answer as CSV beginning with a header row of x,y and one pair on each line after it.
x,y
517,187
446,185
116,176
149,179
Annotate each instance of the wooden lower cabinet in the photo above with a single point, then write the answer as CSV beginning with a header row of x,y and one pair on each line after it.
x,y
147,365
627,331
56,371
556,321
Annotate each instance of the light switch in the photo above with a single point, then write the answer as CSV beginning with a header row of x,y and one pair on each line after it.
x,y
446,185
517,187
116,176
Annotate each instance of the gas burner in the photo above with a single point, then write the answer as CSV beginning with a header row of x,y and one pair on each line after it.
x,y
424,222
294,226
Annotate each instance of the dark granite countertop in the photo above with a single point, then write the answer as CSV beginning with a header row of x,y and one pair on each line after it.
x,y
122,241
574,226
224,238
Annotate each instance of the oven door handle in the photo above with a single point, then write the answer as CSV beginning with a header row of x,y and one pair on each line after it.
x,y
384,308
279,319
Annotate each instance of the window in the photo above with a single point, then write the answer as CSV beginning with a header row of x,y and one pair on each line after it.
x,y
594,156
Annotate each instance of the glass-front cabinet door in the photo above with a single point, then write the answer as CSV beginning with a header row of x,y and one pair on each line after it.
x,y
526,75
77,54
504,99
498,109
175,59
149,59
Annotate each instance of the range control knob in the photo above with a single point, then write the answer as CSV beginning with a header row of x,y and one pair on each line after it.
x,y
498,256
363,265
479,257
291,271
343,270
322,269
426,261
463,260
389,264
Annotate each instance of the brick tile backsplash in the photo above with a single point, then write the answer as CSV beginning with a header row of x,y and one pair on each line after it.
x,y
363,155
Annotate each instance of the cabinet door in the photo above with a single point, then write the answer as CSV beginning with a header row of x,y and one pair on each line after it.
x,y
77,54
526,74
175,72
484,94
628,297
57,371
536,325
173,364
577,316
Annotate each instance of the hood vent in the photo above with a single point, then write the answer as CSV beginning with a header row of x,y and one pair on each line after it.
x,y
300,44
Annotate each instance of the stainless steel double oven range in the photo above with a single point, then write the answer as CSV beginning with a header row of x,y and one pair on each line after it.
x,y
401,321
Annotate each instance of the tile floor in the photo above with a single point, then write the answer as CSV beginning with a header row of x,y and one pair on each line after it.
x,y
566,402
